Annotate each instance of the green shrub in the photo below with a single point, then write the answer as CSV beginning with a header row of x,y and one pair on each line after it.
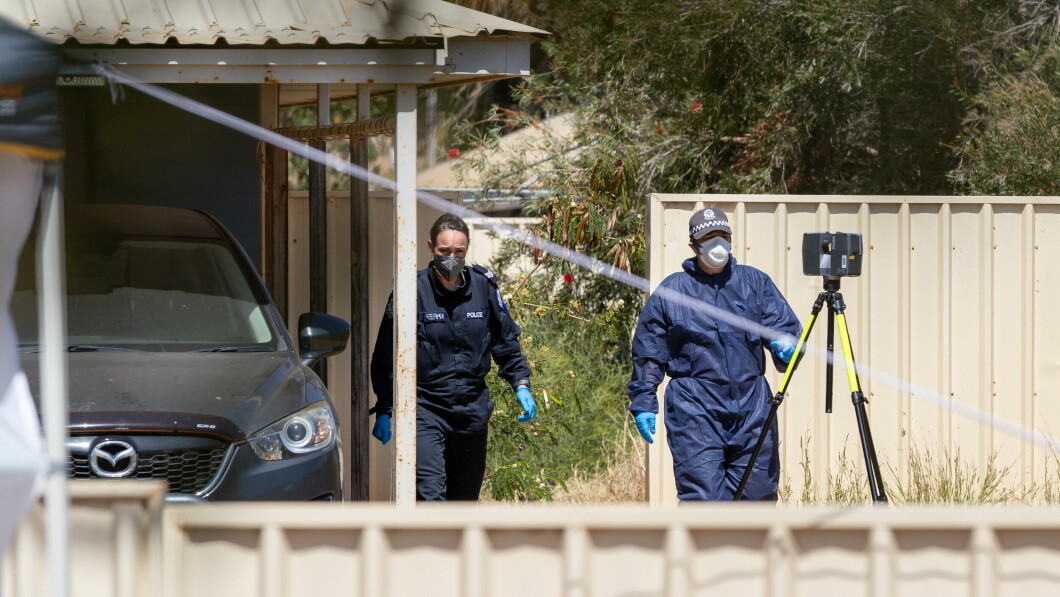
x,y
580,359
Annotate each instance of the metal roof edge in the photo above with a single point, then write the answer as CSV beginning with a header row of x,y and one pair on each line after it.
x,y
258,22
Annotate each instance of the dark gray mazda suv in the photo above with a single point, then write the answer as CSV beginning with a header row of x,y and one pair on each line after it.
x,y
179,365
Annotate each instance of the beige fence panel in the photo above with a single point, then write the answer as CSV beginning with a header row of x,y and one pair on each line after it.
x,y
957,299
115,543
700,550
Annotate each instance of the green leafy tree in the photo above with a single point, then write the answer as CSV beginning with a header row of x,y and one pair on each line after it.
x,y
1012,139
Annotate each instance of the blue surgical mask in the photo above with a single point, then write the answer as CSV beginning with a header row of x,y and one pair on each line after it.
x,y
715,252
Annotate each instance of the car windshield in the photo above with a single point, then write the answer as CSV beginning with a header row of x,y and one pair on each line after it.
x,y
156,295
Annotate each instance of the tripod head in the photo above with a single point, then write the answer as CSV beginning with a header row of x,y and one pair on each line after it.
x,y
831,283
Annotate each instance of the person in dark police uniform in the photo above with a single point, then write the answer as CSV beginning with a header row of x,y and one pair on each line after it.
x,y
462,321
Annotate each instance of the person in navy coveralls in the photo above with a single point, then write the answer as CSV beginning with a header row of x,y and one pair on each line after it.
x,y
717,400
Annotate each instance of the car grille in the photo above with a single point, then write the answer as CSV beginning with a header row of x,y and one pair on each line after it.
x,y
187,471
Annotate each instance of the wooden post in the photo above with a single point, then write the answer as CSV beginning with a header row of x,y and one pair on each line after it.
x,y
273,242
359,324
274,227
318,224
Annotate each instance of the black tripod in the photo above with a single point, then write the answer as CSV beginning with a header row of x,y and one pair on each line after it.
x,y
834,299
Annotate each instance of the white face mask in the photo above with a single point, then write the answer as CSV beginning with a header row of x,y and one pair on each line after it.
x,y
715,252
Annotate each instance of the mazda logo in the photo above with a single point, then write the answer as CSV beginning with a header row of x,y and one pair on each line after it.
x,y
112,458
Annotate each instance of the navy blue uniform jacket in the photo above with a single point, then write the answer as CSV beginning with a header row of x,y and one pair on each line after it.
x,y
457,332
716,370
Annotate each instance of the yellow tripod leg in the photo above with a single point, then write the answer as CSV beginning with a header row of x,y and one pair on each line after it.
x,y
848,353
798,353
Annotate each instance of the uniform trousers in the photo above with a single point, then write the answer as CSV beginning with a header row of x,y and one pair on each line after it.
x,y
450,463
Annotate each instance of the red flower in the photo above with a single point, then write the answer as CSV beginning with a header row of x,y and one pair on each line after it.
x,y
568,279
453,153
696,106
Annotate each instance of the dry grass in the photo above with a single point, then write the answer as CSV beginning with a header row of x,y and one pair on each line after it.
x,y
948,479
621,482
934,477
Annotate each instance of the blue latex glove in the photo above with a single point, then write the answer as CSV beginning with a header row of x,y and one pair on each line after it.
x,y
645,424
381,430
527,402
782,349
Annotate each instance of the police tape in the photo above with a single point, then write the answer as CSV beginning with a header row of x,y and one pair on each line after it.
x,y
559,251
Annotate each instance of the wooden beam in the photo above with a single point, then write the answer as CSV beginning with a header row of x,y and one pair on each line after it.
x,y
384,125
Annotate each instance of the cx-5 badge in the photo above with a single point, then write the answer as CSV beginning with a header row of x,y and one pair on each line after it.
x,y
112,458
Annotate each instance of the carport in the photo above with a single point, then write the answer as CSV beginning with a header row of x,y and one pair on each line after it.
x,y
251,58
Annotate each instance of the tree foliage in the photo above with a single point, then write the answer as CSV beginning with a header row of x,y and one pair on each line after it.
x,y
782,96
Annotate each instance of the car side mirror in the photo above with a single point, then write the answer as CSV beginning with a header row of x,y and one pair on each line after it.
x,y
320,336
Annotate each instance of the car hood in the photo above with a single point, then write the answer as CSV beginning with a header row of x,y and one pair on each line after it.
x,y
228,395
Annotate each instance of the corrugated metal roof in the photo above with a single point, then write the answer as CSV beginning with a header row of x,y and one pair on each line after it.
x,y
252,22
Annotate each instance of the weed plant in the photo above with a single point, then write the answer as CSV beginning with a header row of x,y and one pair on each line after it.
x,y
947,478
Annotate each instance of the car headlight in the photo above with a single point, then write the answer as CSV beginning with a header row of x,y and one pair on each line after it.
x,y
308,430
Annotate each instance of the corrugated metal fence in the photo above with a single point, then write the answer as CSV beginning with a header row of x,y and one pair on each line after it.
x,y
956,306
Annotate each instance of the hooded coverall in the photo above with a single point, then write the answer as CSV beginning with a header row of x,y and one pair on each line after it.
x,y
457,332
717,398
